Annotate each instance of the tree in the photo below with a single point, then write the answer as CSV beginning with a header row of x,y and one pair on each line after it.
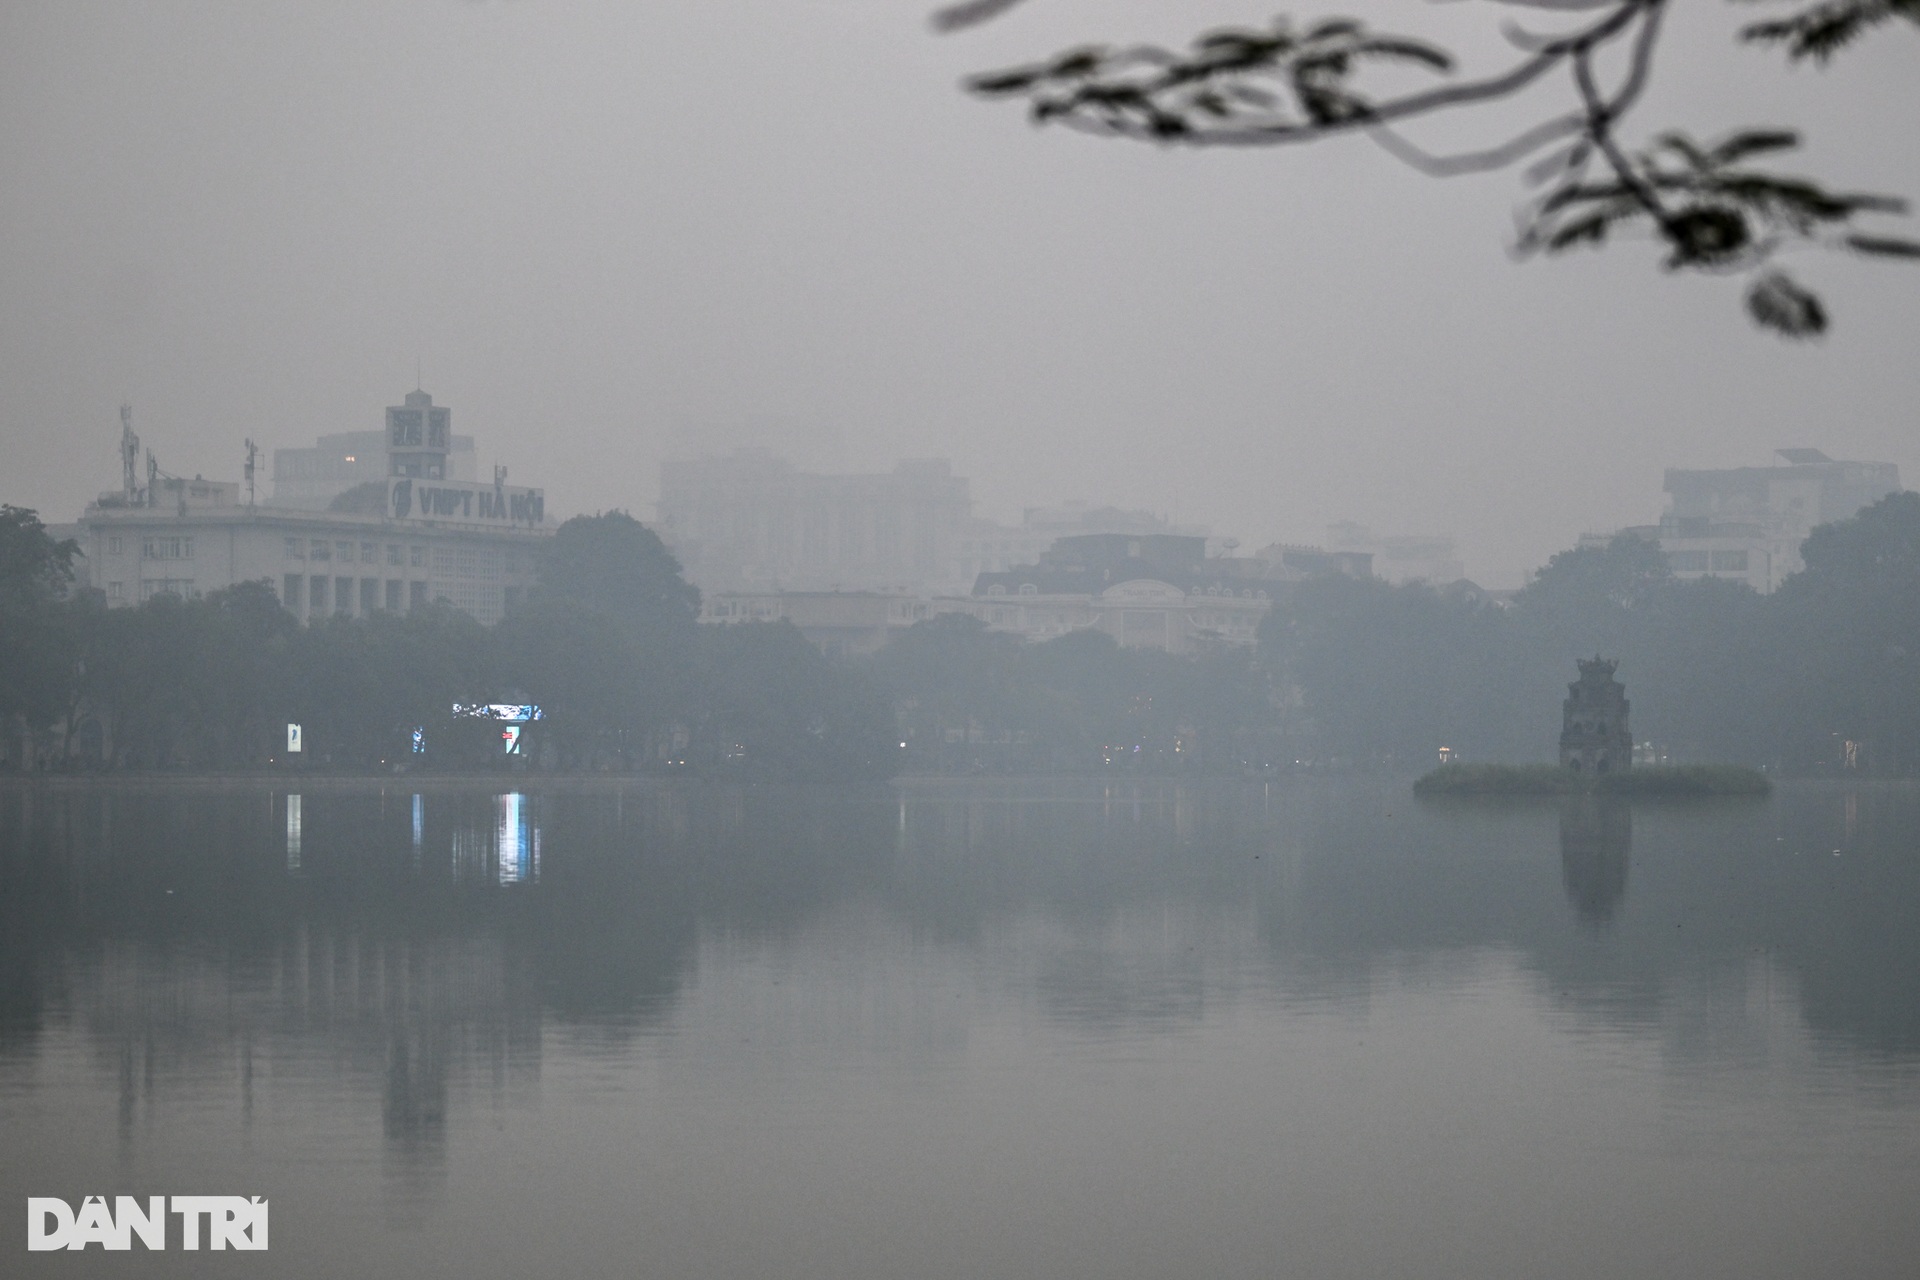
x,y
36,665
600,693
35,570
1389,674
1849,636
1710,206
774,706
1621,575
615,565
955,683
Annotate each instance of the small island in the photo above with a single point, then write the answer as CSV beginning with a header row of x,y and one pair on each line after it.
x,y
1680,780
1596,757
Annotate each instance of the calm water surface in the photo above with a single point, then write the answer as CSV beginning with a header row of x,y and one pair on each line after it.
x,y
968,1029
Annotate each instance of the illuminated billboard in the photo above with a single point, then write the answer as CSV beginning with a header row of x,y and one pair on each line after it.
x,y
509,712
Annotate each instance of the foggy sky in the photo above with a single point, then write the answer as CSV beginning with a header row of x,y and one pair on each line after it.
x,y
612,230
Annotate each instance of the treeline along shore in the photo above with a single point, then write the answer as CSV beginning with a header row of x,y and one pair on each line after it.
x,y
1821,676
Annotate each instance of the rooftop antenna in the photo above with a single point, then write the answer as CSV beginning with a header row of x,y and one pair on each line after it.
x,y
252,453
153,480
416,375
129,454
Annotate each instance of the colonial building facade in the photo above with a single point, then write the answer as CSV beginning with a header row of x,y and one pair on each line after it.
x,y
1148,591
391,543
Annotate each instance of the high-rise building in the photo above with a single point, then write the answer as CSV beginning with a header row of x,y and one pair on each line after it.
x,y
1747,523
753,521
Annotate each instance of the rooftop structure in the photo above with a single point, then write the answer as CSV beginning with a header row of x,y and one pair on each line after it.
x,y
393,542
311,479
1401,558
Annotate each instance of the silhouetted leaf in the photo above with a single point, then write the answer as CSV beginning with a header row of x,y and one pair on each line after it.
x,y
1826,28
1753,142
1883,246
1776,302
1706,235
969,13
997,82
1407,51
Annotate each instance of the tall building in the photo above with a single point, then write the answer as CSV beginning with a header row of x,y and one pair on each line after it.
x,y
753,521
1747,523
393,541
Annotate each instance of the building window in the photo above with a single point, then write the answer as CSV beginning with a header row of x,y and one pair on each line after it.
x,y
416,595
393,595
113,591
114,545
417,557
369,595
369,553
344,550
317,596
1729,562
290,591
320,550
293,549
182,587
167,548
343,595
1687,561
1028,589
393,554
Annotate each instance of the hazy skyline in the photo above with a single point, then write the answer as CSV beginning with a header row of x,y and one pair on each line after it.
x,y
611,232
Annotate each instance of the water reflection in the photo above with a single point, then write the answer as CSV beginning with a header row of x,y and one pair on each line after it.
x,y
442,951
516,839
1596,837
293,833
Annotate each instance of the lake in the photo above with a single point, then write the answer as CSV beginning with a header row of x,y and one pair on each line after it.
x,y
980,1028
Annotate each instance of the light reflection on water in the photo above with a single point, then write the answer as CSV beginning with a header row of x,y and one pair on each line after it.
x,y
1099,1028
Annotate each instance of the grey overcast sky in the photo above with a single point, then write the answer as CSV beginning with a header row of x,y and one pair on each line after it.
x,y
612,230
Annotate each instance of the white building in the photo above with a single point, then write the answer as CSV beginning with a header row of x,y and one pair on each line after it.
x,y
1746,524
391,543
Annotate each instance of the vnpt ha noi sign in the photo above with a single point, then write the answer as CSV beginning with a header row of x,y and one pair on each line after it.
x,y
410,499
